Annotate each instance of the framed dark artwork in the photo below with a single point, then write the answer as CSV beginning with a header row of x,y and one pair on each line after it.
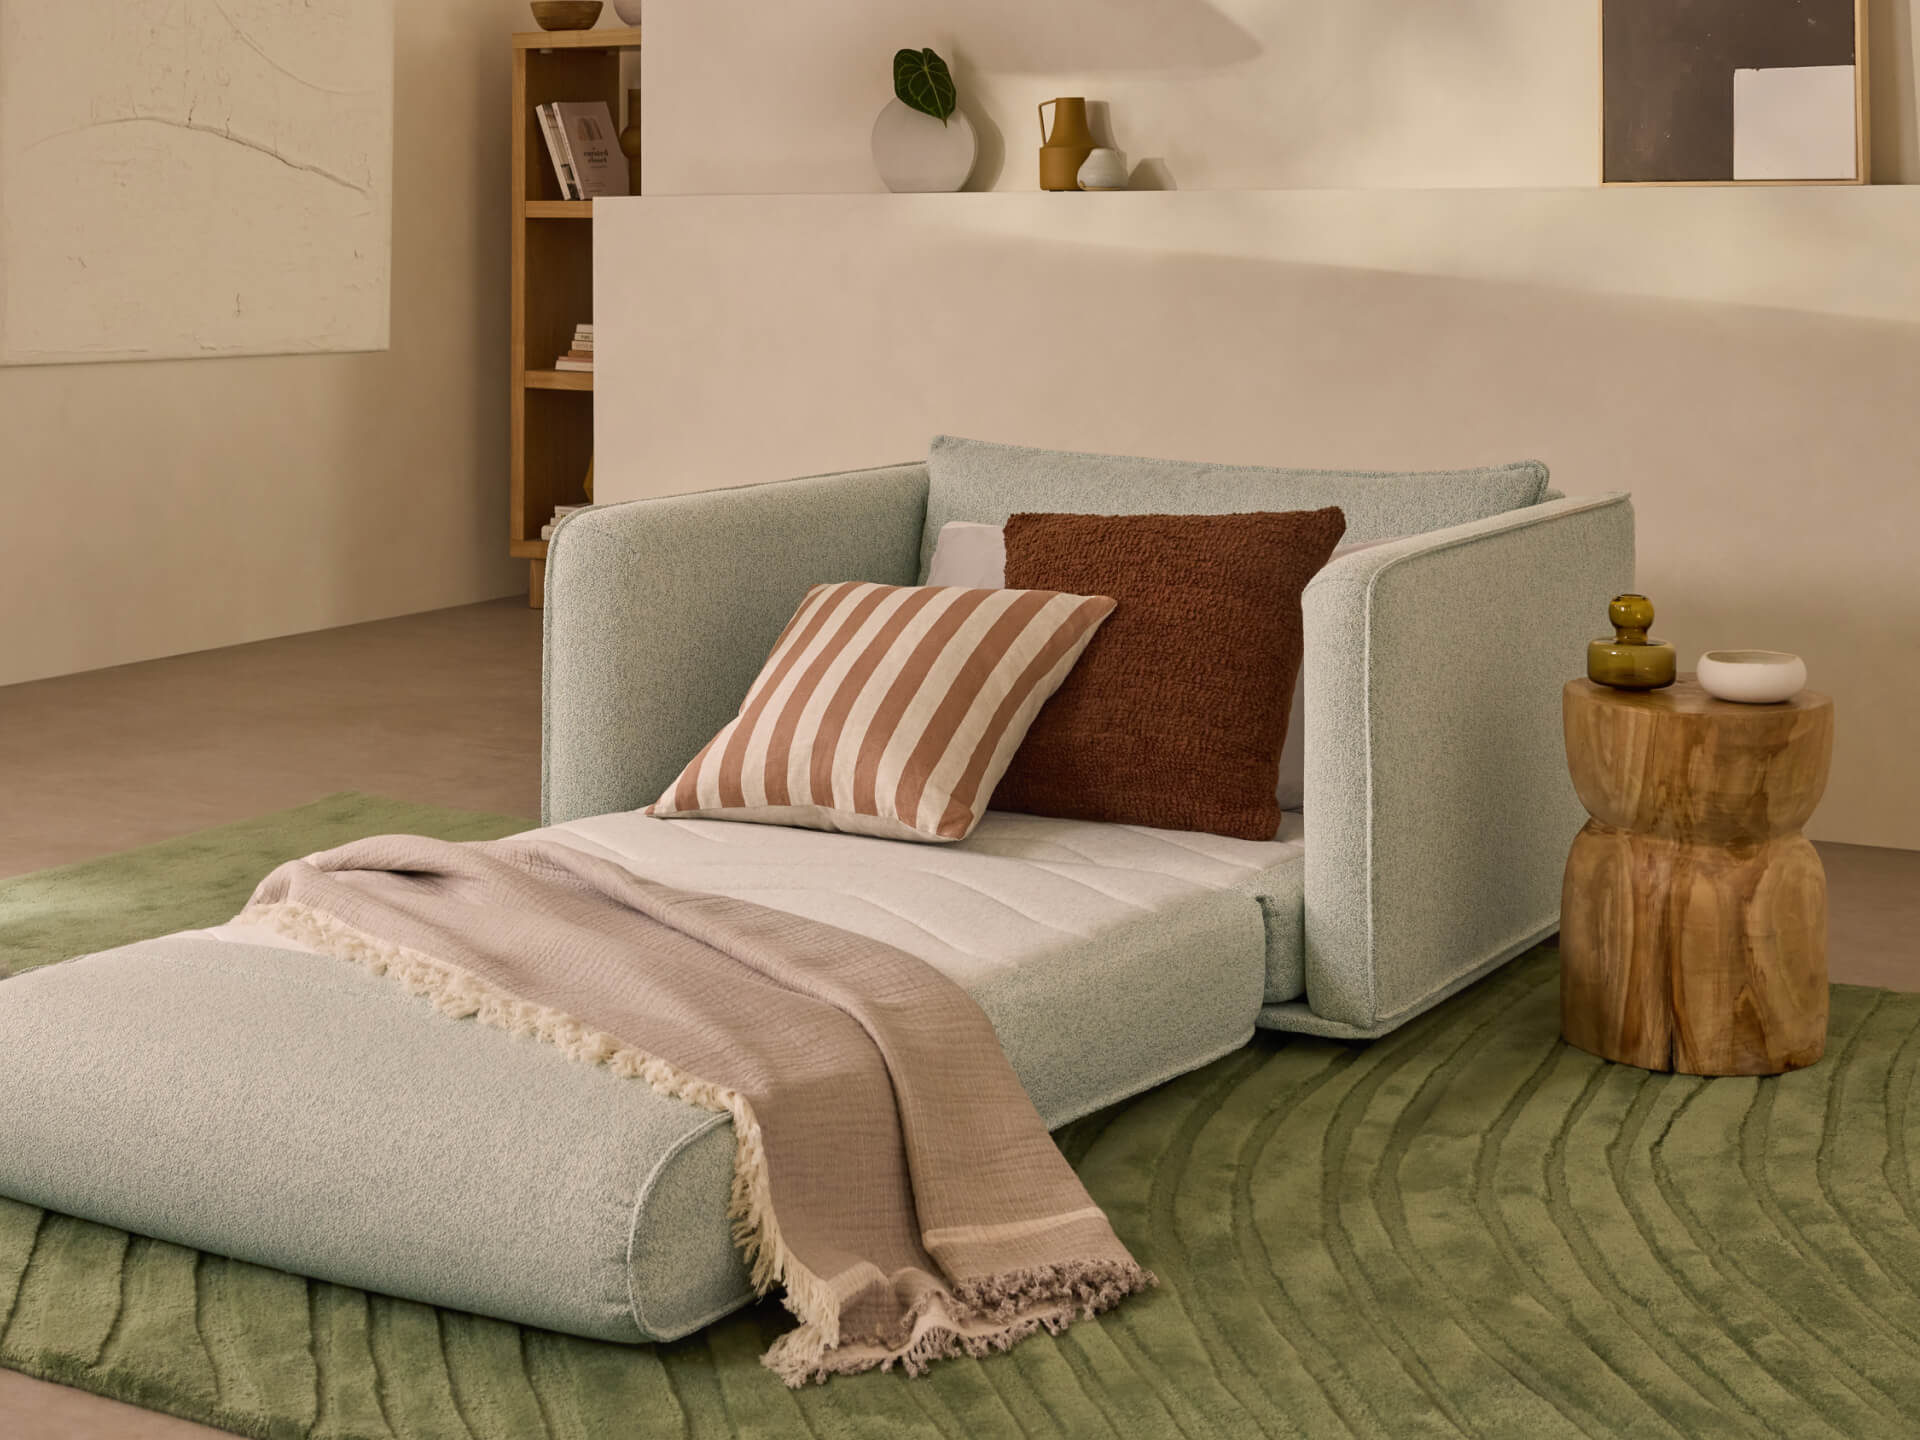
x,y
1733,92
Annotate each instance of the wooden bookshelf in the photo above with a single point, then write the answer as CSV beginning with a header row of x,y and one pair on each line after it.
x,y
559,380
552,285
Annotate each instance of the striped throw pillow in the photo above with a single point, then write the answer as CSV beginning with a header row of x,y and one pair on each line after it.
x,y
888,710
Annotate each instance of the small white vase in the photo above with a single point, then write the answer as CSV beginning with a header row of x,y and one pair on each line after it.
x,y
1104,170
1752,677
915,152
628,11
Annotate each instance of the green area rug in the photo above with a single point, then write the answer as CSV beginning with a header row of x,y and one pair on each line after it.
x,y
1463,1229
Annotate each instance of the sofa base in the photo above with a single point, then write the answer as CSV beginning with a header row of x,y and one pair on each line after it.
x,y
1299,1017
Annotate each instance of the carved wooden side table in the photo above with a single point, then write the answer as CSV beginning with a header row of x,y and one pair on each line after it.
x,y
1693,919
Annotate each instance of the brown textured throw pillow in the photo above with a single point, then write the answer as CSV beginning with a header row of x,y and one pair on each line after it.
x,y
1176,713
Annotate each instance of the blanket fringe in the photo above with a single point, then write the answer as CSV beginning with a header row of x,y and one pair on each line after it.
x,y
1074,1289
462,995
1085,1286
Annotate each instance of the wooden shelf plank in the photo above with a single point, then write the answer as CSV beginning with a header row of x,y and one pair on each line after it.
x,y
559,209
527,549
612,37
559,380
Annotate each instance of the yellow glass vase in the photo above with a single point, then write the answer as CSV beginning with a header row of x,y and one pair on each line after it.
x,y
1629,660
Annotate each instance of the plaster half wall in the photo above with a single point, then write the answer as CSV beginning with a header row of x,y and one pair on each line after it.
x,y
1743,361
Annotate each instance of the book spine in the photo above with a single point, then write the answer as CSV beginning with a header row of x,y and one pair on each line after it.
x,y
553,150
550,129
566,152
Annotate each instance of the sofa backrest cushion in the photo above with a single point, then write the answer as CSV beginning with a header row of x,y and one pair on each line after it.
x,y
981,481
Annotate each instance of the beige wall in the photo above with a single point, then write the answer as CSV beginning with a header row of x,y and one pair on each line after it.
x,y
748,97
1746,366
1745,361
158,508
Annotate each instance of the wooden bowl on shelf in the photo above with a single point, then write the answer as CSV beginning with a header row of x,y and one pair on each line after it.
x,y
566,14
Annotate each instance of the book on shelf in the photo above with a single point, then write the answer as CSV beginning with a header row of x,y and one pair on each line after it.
x,y
556,152
580,356
592,144
560,512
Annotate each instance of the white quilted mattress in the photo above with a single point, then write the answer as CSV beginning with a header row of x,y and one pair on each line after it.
x,y
1019,887
1109,957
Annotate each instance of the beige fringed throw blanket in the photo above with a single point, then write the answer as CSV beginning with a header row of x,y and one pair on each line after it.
x,y
891,1172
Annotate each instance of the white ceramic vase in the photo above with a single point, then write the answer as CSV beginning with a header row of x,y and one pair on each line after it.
x,y
628,11
1104,170
1752,677
915,152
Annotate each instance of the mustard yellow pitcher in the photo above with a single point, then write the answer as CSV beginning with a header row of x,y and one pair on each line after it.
x,y
1066,150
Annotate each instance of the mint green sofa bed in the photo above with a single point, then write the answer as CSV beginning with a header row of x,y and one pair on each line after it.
x,y
296,1112
1438,806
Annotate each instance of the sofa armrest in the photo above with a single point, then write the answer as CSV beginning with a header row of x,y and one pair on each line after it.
x,y
1438,806
659,613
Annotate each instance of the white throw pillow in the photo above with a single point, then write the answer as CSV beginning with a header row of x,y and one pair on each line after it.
x,y
965,553
971,555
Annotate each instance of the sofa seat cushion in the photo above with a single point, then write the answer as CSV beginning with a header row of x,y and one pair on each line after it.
x,y
292,1110
1010,906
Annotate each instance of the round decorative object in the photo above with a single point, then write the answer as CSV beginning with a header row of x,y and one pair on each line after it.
x,y
566,14
915,152
630,143
1752,677
1628,660
628,11
1104,170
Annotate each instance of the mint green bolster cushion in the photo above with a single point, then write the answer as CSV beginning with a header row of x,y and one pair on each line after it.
x,y
305,1114
301,1113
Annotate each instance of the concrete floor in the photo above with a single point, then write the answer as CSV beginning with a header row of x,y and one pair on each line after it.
x,y
441,708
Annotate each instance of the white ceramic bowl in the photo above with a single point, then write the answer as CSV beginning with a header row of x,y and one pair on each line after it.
x,y
1752,677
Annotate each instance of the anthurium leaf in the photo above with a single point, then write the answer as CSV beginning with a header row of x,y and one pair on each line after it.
x,y
921,79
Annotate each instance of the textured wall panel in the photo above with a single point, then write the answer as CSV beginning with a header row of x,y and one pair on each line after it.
x,y
194,177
